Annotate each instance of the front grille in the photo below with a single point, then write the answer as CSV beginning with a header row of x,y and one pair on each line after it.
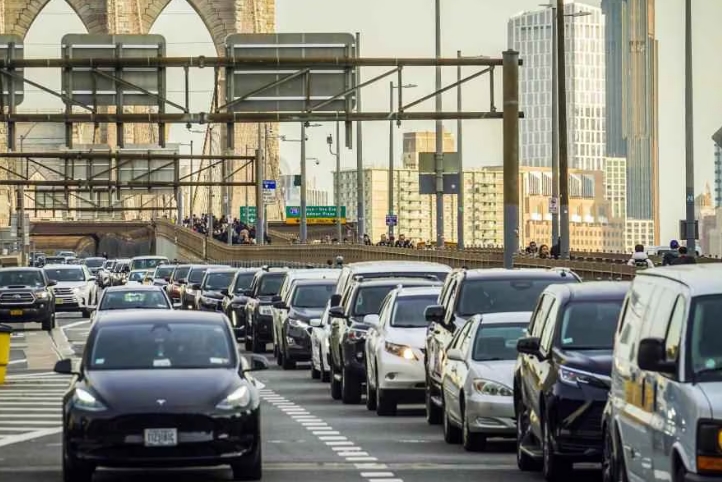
x,y
63,291
21,297
136,424
591,421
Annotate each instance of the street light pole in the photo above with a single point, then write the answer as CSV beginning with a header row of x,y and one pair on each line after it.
x,y
563,141
555,129
392,87
689,130
304,220
337,182
439,154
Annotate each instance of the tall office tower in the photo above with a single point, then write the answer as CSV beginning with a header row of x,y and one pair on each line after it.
x,y
530,33
632,102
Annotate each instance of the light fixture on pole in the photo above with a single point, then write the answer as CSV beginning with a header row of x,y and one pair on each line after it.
x,y
304,220
337,184
392,87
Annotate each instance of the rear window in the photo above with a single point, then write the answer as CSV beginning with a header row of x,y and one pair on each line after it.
x,y
481,296
271,284
94,262
181,272
147,263
164,271
196,275
312,296
497,341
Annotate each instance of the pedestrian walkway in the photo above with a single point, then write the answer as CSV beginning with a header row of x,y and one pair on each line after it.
x,y
31,406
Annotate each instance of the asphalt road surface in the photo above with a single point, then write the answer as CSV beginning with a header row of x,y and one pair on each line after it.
x,y
306,436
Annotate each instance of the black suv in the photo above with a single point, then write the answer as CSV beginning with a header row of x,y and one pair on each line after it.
x,y
215,281
259,315
347,340
234,302
26,297
562,376
477,292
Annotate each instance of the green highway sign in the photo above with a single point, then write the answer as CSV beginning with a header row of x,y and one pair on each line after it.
x,y
314,214
248,214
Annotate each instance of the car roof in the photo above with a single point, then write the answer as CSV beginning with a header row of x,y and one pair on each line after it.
x,y
227,269
122,288
699,278
381,266
321,273
22,268
149,257
63,266
503,273
507,317
591,290
418,290
160,316
397,281
315,281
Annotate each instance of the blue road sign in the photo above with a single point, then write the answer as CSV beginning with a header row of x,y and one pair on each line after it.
x,y
392,220
269,184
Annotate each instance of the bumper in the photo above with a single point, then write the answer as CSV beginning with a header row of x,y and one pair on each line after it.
x,y
188,301
28,313
354,358
576,421
202,440
396,373
491,415
298,343
690,477
204,306
263,328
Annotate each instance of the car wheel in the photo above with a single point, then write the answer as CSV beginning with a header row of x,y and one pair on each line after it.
x,y
257,346
613,467
248,344
554,468
315,373
335,385
370,392
325,374
452,434
48,324
86,313
74,471
524,461
472,442
249,467
350,388
288,363
385,403
433,413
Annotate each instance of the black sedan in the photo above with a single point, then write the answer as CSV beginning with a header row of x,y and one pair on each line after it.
x,y
161,389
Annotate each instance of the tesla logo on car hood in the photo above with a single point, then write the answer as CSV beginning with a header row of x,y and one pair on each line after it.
x,y
161,402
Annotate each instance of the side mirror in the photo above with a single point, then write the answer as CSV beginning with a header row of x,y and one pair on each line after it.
x,y
372,320
275,299
258,363
167,279
315,322
280,305
528,346
336,312
196,286
455,355
52,282
65,367
651,356
335,300
434,313
224,291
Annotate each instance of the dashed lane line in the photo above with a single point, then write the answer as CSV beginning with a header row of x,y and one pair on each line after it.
x,y
368,465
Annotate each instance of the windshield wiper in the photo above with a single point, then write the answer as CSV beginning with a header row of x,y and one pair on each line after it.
x,y
707,370
409,326
493,358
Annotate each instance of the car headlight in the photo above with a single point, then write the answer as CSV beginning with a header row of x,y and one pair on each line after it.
x,y
265,310
85,400
189,291
709,447
237,306
210,301
572,377
354,334
488,387
297,323
239,398
402,351
41,295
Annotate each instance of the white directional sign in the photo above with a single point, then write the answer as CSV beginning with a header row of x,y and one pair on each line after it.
x,y
553,205
269,191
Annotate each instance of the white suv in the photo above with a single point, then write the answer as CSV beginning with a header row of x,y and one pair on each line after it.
x,y
395,349
75,290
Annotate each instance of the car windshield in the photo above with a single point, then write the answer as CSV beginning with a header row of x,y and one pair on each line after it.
x,y
271,284
94,262
55,260
218,281
196,275
146,263
152,346
497,341
481,296
17,277
108,264
163,271
590,325
369,298
181,272
243,282
136,276
65,274
132,300
312,295
409,311
705,350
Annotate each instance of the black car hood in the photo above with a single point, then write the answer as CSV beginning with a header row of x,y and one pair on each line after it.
x,y
141,389
216,295
265,299
305,314
239,299
593,361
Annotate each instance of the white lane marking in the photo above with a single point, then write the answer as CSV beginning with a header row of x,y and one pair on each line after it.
x,y
329,439
5,408
339,443
361,459
371,466
18,361
331,432
353,453
368,475
345,449
385,480
74,324
28,415
13,439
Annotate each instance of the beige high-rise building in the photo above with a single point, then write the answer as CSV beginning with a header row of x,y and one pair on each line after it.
x,y
423,141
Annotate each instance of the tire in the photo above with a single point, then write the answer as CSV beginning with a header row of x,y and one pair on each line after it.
x,y
325,375
452,433
370,393
257,346
350,388
249,467
554,467
248,344
48,324
613,467
288,364
86,313
335,386
385,403
472,442
74,471
433,413
523,460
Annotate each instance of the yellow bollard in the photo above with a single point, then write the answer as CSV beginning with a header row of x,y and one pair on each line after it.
x,y
5,332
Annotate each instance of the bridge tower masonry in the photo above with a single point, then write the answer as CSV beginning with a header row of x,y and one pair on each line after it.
x,y
221,18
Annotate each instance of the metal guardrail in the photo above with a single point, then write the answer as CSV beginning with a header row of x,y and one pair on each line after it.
x,y
318,255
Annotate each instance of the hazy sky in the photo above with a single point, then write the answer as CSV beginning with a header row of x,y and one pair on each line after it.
x,y
398,28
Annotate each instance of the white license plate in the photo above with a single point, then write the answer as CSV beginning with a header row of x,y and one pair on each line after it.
x,y
161,437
